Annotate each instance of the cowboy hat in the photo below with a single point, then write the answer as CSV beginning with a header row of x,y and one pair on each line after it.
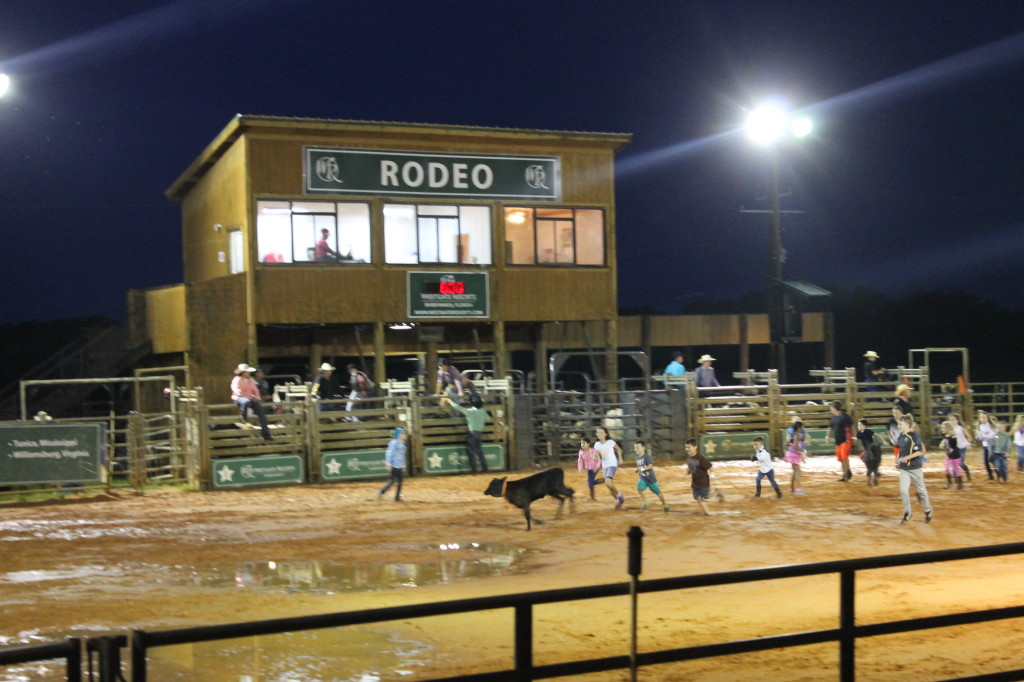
x,y
706,358
327,367
243,368
871,354
903,387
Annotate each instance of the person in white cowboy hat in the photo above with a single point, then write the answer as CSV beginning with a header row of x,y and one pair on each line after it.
x,y
327,387
872,371
246,394
704,376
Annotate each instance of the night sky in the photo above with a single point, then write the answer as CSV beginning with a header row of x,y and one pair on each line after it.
x,y
911,181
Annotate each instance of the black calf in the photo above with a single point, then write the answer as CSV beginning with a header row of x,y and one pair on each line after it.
x,y
524,491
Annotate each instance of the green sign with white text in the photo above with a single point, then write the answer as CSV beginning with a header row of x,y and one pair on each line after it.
x,y
447,294
240,472
335,466
338,170
735,445
454,460
52,453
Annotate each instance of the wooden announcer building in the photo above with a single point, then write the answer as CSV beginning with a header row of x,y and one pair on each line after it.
x,y
309,240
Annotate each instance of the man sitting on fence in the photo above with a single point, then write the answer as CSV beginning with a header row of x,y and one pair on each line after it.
x,y
246,395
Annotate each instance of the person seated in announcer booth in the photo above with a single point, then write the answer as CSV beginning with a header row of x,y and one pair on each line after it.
x,y
325,254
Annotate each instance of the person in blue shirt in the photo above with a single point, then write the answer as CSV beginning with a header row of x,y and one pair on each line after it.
x,y
394,457
676,367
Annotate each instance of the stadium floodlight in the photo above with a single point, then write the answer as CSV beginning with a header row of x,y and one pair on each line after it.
x,y
5,82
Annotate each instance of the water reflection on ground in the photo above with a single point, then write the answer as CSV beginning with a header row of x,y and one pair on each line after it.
x,y
426,565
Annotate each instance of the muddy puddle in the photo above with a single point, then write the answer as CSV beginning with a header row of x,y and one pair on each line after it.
x,y
424,565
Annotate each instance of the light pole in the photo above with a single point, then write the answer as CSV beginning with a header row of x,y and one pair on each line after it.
x,y
767,125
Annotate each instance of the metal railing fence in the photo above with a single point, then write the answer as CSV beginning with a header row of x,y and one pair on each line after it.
x,y
845,634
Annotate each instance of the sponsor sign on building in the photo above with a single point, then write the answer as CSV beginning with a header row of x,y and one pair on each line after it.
x,y
338,170
52,453
447,294
240,472
454,460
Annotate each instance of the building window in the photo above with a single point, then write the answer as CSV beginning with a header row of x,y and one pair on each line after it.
x,y
434,233
554,236
313,231
236,252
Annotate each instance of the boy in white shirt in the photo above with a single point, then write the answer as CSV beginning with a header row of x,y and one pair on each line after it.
x,y
765,468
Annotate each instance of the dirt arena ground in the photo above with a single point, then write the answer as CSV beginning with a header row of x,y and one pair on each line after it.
x,y
171,559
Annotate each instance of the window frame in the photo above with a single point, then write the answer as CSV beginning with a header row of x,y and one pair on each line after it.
x,y
557,223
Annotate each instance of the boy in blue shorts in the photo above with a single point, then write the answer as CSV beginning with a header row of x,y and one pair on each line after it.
x,y
645,470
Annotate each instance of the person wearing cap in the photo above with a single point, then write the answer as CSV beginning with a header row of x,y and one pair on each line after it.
x,y
704,376
358,388
872,371
449,379
394,459
326,387
246,394
323,250
476,418
901,399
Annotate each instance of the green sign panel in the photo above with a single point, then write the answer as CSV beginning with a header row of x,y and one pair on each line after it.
x,y
447,294
454,460
240,472
52,453
734,445
337,170
335,466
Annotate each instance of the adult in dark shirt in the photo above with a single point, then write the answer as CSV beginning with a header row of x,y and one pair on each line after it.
x,y
872,371
902,399
326,387
911,471
840,427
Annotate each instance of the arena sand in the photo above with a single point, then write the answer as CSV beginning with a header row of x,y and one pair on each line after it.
x,y
171,559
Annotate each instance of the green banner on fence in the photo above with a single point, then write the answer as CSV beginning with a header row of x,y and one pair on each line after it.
x,y
239,472
735,445
52,453
454,460
335,466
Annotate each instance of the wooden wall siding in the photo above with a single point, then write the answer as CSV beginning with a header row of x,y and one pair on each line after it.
x,y
220,197
166,319
700,330
217,336
552,294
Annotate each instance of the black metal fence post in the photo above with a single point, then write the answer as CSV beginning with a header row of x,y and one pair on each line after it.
x,y
138,656
636,540
847,637
524,640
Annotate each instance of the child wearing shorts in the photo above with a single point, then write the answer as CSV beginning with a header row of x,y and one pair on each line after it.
x,y
645,471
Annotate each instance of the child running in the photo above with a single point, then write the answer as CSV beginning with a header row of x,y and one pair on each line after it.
x,y
952,456
700,481
590,462
962,441
645,471
611,455
394,457
840,427
872,454
764,467
985,433
911,471
1018,441
1000,448
796,453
